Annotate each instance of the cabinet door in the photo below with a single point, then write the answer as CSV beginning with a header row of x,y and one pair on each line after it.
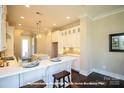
x,y
2,29
76,64
69,38
10,40
64,38
3,36
73,38
32,76
55,36
10,82
60,43
77,37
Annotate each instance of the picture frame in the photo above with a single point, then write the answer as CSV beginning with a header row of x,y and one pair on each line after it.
x,y
116,42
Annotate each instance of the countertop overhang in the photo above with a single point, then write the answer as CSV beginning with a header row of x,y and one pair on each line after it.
x,y
17,69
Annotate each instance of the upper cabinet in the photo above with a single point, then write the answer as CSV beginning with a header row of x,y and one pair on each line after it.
x,y
55,36
70,37
10,40
3,25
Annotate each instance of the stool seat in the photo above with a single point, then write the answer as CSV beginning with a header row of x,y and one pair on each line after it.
x,y
37,84
59,76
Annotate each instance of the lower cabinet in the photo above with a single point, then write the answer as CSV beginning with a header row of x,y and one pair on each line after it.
x,y
10,82
19,80
32,76
76,65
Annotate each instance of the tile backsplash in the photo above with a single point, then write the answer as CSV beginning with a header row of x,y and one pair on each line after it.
x,y
71,50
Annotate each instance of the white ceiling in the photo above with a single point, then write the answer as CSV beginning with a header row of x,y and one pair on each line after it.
x,y
53,14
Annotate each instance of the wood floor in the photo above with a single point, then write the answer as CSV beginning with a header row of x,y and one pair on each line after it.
x,y
94,80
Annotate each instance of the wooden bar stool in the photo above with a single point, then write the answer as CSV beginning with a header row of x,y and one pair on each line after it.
x,y
59,76
37,84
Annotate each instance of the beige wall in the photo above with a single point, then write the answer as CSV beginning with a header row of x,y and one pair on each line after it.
x,y
102,58
41,44
44,44
95,45
18,35
17,42
49,43
95,55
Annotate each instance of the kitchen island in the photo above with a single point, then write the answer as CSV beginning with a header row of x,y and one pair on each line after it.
x,y
15,76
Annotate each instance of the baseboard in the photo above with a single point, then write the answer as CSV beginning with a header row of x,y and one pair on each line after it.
x,y
114,75
75,70
86,73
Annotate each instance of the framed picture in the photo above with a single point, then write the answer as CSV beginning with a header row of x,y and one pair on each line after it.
x,y
116,42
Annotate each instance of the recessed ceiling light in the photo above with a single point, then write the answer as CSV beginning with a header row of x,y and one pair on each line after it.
x,y
22,17
68,17
27,6
54,24
19,24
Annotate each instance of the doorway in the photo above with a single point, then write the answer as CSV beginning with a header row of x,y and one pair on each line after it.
x,y
26,48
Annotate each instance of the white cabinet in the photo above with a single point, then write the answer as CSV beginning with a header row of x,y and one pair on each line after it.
x,y
70,37
2,28
76,65
55,36
10,82
32,76
10,40
77,42
60,43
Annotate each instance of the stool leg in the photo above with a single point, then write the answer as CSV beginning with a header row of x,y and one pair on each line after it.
x,y
63,82
59,83
69,79
54,83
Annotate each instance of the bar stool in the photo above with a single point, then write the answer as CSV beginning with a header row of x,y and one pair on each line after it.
x,y
37,84
59,76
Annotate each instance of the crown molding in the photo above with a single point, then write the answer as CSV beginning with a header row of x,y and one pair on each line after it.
x,y
85,16
115,11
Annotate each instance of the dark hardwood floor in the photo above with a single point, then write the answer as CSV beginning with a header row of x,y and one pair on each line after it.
x,y
94,80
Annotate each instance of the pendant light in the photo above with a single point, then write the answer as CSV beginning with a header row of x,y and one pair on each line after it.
x,y
38,29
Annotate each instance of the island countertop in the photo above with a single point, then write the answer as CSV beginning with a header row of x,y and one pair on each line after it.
x,y
16,68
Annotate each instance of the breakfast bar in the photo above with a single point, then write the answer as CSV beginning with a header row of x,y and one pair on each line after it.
x,y
15,76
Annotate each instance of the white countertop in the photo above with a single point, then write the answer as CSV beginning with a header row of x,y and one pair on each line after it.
x,y
73,55
15,68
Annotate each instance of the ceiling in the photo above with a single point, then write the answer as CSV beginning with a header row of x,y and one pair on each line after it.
x,y
53,14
